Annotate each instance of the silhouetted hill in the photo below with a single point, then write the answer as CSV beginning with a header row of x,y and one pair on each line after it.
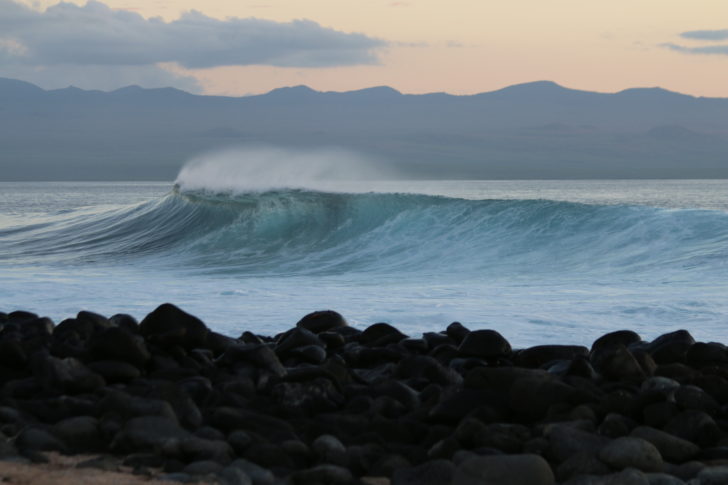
x,y
532,130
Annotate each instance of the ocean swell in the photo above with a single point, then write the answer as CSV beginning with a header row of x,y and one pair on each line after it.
x,y
286,232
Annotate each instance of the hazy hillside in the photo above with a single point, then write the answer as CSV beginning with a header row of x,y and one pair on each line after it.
x,y
535,130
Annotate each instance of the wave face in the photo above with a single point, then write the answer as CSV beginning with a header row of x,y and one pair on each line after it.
x,y
301,232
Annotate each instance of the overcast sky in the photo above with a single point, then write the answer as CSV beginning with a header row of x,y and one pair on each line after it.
x,y
459,46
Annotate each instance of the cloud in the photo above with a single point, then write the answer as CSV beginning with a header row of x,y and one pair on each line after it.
x,y
707,50
715,35
96,35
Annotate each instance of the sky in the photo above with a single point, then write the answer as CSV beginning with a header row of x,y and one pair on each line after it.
x,y
238,47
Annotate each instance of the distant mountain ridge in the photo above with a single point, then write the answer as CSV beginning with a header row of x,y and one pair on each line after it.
x,y
531,130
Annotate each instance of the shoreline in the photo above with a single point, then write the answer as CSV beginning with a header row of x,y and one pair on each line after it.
x,y
169,399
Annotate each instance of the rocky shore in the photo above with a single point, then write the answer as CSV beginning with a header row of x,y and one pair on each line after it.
x,y
325,403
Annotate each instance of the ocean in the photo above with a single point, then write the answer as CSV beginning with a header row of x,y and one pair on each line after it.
x,y
539,261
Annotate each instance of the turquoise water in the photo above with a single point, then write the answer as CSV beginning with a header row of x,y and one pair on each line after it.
x,y
540,261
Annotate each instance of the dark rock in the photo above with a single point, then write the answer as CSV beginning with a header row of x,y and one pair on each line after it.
x,y
328,474
114,371
582,463
12,354
204,467
196,449
68,376
432,472
118,344
20,316
531,398
618,364
615,425
717,475
239,440
380,334
566,441
629,476
229,418
97,320
504,470
179,477
660,413
144,460
260,355
704,354
425,369
313,354
297,337
105,463
661,385
332,340
80,433
614,339
127,322
147,433
316,396
457,332
268,455
37,439
542,354
328,449
631,452
168,326
487,344
321,321
692,397
671,347
258,475
233,476
662,479
695,426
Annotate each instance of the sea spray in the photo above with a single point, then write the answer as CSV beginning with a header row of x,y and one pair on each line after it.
x,y
246,169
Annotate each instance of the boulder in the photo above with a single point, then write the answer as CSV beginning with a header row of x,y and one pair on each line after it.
x,y
168,326
433,472
504,470
321,321
487,344
672,448
631,452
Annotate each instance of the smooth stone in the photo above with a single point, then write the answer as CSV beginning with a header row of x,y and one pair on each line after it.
x,y
663,479
80,433
328,449
68,375
614,339
504,470
693,397
662,385
380,334
429,473
695,426
328,474
114,371
542,354
566,441
258,475
615,425
147,433
297,337
37,439
321,321
487,344
582,463
169,326
200,449
618,364
671,347
234,476
631,452
530,398
672,448
118,344
625,477
204,467
703,354
457,332
716,475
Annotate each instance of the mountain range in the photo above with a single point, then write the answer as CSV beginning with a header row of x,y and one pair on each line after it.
x,y
534,130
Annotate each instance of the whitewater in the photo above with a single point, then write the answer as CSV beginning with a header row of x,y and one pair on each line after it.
x,y
539,261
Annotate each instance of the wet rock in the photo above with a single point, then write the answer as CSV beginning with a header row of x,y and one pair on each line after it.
x,y
80,433
631,452
431,472
716,475
504,470
617,363
68,376
380,334
147,433
542,354
487,344
257,474
321,321
328,474
695,426
205,467
328,449
233,476
671,347
672,448
703,354
457,332
37,439
168,326
113,371
566,441
532,398
118,344
692,397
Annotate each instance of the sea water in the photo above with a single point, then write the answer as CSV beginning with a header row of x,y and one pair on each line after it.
x,y
539,261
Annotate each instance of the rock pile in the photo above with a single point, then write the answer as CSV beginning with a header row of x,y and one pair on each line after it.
x,y
325,403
